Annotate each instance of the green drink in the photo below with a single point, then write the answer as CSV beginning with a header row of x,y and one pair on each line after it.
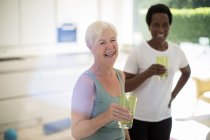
x,y
126,125
129,102
163,60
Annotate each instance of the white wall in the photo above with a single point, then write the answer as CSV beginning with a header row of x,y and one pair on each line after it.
x,y
28,23
120,13
80,12
9,22
37,22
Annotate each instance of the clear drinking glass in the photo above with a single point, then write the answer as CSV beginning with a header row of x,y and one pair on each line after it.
x,y
128,101
163,60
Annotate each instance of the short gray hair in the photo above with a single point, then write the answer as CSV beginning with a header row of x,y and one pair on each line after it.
x,y
94,31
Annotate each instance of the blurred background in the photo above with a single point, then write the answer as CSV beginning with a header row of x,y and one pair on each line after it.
x,y
43,51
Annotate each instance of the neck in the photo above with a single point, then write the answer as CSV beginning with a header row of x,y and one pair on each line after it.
x,y
102,71
160,46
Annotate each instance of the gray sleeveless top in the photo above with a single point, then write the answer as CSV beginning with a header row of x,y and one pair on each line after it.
x,y
111,130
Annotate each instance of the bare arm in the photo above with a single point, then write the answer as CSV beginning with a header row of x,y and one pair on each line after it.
x,y
135,80
82,106
127,136
185,74
83,126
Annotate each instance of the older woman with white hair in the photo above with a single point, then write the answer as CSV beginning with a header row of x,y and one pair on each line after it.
x,y
95,101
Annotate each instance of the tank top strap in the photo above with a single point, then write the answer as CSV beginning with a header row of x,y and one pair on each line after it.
x,y
99,86
96,82
91,75
119,76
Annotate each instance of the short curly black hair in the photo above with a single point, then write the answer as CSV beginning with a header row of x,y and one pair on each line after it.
x,y
158,8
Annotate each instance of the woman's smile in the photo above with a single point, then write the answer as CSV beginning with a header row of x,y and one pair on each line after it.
x,y
109,54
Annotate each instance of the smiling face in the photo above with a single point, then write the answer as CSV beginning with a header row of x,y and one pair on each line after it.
x,y
159,27
105,50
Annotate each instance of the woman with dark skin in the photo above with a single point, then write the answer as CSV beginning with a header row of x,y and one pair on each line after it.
x,y
152,120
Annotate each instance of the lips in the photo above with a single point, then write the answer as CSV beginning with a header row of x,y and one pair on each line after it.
x,y
161,35
109,54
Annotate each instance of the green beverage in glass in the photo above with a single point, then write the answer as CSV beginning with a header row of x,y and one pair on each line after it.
x,y
128,101
163,60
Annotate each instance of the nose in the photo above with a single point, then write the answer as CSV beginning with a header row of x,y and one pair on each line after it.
x,y
161,29
110,44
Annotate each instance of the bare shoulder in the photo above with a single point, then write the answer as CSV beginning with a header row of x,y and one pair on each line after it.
x,y
83,92
84,86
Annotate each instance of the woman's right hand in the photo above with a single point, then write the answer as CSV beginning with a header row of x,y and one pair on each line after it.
x,y
156,69
118,112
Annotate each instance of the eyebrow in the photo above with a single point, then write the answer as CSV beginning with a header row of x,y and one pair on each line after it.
x,y
110,38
